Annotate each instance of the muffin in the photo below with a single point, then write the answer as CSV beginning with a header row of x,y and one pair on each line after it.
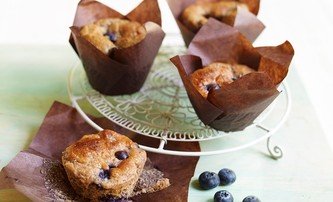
x,y
196,15
104,164
117,51
216,75
240,96
109,33
192,15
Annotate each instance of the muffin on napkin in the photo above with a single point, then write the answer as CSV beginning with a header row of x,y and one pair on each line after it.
x,y
108,164
37,172
116,51
231,95
191,15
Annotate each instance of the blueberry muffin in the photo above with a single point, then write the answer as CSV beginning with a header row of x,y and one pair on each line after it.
x,y
216,75
104,164
196,15
107,34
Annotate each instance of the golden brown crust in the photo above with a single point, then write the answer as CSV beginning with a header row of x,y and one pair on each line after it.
x,y
196,15
217,74
94,170
124,33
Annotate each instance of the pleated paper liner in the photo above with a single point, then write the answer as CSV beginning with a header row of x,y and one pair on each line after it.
x,y
38,174
246,21
126,70
234,106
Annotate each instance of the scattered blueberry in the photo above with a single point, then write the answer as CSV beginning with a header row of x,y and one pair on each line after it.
x,y
121,155
227,176
212,86
251,199
208,180
223,196
112,36
104,174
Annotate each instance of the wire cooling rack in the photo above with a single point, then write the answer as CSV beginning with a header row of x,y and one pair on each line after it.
x,y
162,110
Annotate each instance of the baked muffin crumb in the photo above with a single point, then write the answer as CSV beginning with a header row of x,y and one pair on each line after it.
x,y
216,75
196,15
107,34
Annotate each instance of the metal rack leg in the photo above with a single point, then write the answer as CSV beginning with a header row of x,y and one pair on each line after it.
x,y
275,152
163,142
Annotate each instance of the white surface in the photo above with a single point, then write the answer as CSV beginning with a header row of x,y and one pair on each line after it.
x,y
307,24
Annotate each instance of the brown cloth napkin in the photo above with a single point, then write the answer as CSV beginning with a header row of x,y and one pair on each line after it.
x,y
29,172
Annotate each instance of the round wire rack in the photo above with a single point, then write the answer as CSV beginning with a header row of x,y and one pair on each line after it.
x,y
162,110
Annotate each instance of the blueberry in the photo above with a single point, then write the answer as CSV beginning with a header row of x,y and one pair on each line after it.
x,y
104,174
251,199
227,176
208,180
223,196
121,155
112,36
212,86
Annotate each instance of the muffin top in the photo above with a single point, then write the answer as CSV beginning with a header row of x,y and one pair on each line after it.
x,y
106,159
196,15
106,34
216,75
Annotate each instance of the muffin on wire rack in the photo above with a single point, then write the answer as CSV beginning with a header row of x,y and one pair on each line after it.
x,y
191,15
235,102
116,51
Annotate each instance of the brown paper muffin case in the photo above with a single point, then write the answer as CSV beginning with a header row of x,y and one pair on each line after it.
x,y
246,22
234,106
126,70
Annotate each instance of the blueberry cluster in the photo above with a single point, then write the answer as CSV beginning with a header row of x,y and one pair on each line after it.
x,y
105,173
210,180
